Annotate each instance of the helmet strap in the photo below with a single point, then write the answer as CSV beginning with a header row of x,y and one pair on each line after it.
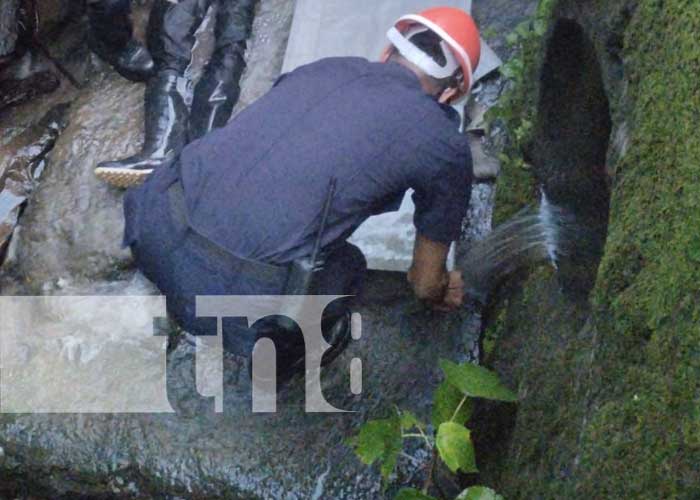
x,y
420,58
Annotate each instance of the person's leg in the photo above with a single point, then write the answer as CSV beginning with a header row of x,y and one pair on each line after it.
x,y
218,90
171,33
343,273
110,37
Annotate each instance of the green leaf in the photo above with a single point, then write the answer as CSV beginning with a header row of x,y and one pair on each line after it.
x,y
513,69
489,33
455,446
445,402
539,27
544,8
479,493
523,29
412,494
380,440
512,39
409,421
509,70
476,381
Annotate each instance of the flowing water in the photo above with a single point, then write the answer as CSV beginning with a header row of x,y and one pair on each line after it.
x,y
546,234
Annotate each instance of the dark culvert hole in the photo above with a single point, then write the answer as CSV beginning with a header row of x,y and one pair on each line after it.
x,y
572,134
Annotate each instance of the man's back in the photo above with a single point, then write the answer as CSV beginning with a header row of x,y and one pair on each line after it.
x,y
257,186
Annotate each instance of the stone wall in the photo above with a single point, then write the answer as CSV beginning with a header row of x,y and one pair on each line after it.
x,y
609,380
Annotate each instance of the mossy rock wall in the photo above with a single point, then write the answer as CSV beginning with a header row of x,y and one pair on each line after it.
x,y
610,379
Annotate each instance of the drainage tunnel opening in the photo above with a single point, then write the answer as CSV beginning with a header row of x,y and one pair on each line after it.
x,y
572,133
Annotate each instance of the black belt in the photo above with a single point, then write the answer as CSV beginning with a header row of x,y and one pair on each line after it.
x,y
256,269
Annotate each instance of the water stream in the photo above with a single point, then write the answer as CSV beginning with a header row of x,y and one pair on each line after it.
x,y
545,234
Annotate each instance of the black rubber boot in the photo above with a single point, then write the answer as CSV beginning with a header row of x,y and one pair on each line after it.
x,y
291,348
217,92
165,133
110,37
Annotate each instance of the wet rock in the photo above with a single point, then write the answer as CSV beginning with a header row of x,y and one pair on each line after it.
x,y
236,454
21,164
14,92
608,406
266,50
52,14
485,166
498,18
73,225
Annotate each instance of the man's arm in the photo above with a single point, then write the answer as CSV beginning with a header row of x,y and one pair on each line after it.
x,y
429,277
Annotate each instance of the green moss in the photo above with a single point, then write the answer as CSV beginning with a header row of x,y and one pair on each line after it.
x,y
610,402
516,113
529,350
645,438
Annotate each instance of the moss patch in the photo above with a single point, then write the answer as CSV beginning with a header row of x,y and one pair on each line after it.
x,y
611,399
515,112
643,440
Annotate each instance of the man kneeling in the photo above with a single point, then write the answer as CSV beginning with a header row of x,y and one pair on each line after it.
x,y
244,203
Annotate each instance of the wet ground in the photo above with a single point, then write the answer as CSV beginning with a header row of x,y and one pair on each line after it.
x,y
68,243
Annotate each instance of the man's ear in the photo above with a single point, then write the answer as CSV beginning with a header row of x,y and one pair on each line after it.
x,y
447,95
386,54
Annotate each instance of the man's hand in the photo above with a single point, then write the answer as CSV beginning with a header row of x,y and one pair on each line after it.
x,y
430,280
454,293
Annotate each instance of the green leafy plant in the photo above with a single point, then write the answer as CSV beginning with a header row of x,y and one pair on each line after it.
x,y
448,439
515,111
514,108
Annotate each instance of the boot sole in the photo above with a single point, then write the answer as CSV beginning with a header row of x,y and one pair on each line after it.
x,y
122,178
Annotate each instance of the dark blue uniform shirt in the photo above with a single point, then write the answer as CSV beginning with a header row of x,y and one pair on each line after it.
x,y
257,186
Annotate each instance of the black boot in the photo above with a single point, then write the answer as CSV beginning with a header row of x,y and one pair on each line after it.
x,y
110,37
217,92
165,133
291,347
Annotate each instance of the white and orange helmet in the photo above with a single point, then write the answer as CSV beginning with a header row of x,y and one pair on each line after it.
x,y
461,43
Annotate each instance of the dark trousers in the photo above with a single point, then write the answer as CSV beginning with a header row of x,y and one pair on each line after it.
x,y
172,27
110,21
183,265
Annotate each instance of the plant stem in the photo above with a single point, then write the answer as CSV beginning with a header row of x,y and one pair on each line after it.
x,y
411,459
427,441
419,436
431,470
459,407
